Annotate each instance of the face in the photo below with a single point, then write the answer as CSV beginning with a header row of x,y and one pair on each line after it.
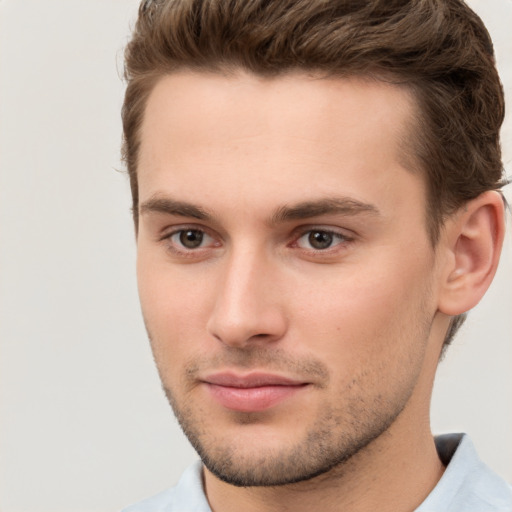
x,y
285,273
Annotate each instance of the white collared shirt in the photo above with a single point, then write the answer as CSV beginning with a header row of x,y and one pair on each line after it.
x,y
467,485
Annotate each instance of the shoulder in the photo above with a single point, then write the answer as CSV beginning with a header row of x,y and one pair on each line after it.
x,y
163,501
467,485
187,495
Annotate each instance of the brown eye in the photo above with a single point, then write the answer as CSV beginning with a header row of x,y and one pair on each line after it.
x,y
190,238
320,239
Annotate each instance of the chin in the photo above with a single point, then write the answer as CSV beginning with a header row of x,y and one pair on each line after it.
x,y
251,455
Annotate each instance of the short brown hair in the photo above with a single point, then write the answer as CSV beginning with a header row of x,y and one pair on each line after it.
x,y
440,49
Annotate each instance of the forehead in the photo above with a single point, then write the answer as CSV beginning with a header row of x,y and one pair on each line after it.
x,y
245,138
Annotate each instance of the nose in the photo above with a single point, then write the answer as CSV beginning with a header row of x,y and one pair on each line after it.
x,y
248,307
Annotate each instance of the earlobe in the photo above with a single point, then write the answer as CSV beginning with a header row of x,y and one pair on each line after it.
x,y
473,237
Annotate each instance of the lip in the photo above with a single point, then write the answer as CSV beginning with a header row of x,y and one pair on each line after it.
x,y
254,392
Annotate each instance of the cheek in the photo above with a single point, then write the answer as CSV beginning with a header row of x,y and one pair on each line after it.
x,y
368,315
167,292
376,346
171,309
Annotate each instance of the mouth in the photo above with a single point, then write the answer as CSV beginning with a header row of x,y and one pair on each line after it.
x,y
254,392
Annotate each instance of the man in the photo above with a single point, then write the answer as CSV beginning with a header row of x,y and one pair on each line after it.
x,y
315,189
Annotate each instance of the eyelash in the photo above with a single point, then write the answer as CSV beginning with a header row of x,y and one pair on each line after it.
x,y
342,239
183,251
339,239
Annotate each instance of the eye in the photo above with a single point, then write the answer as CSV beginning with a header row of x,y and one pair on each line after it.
x,y
190,239
320,239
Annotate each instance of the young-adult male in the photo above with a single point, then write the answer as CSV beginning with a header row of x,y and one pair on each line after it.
x,y
316,198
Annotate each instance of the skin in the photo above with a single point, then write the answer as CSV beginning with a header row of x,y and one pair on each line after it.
x,y
258,168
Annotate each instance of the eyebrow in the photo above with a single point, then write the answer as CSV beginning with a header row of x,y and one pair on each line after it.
x,y
304,210
328,206
172,207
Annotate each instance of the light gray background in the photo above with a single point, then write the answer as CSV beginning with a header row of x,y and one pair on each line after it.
x,y
83,423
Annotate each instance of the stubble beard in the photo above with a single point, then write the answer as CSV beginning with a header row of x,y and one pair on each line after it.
x,y
326,447
332,440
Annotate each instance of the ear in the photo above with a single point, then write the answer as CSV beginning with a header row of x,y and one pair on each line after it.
x,y
473,238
